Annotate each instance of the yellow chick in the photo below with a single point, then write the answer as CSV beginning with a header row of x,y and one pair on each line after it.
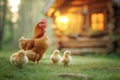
x,y
19,59
55,57
66,59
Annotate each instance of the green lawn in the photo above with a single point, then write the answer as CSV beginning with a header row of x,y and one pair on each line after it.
x,y
97,67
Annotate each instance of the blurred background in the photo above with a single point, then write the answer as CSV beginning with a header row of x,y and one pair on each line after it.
x,y
80,26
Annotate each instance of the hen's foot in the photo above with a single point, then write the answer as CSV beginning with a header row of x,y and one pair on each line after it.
x,y
36,62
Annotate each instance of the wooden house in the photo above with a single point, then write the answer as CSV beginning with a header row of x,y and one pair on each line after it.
x,y
84,26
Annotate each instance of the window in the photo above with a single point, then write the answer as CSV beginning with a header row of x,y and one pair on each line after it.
x,y
97,21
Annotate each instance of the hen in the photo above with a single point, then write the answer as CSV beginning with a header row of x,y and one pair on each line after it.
x,y
36,47
55,57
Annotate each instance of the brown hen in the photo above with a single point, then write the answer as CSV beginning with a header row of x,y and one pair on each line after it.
x,y
36,46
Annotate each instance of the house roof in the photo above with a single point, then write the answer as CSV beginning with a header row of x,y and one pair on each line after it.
x,y
63,5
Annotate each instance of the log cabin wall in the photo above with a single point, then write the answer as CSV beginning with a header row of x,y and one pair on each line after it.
x,y
85,38
88,42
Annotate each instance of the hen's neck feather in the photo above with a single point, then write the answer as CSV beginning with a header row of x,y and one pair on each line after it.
x,y
38,32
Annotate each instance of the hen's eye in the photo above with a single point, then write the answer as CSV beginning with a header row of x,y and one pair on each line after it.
x,y
41,22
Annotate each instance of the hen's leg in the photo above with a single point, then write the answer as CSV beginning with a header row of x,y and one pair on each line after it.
x,y
36,60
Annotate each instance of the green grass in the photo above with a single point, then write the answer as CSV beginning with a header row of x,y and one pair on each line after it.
x,y
98,67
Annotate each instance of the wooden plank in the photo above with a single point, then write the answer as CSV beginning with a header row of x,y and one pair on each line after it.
x,y
84,39
86,45
83,44
86,50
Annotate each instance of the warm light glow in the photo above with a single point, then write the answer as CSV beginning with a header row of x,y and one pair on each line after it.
x,y
68,24
63,19
14,2
15,17
57,13
14,9
97,21
62,23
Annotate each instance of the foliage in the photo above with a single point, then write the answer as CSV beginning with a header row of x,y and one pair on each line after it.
x,y
3,6
98,67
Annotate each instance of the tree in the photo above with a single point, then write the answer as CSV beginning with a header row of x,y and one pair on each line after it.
x,y
3,5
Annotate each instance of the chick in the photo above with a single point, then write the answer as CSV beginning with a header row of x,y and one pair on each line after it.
x,y
55,57
66,59
19,59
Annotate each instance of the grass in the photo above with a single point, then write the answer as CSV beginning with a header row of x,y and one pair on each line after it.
x,y
98,67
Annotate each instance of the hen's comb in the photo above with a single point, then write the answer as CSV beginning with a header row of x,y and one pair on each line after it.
x,y
44,20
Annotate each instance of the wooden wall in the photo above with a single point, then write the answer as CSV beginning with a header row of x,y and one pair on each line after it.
x,y
104,42
117,29
92,43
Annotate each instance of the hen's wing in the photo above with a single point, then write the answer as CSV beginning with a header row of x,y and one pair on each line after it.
x,y
30,44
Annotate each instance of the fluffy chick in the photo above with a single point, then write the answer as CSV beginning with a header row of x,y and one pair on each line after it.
x,y
55,57
19,59
66,59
